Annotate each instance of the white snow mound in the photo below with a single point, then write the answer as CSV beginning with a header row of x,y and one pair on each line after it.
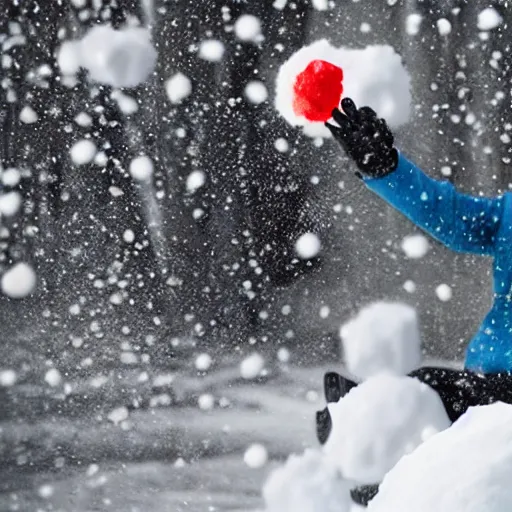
x,y
467,468
306,483
380,421
373,76
383,337
120,58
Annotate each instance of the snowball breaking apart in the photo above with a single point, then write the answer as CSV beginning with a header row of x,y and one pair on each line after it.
x,y
313,80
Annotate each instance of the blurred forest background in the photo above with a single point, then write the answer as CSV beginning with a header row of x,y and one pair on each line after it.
x,y
228,281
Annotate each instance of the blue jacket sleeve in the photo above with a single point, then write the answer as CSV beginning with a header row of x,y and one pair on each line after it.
x,y
461,222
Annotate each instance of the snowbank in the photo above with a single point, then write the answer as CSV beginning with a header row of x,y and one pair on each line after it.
x,y
373,76
467,468
380,421
120,58
382,337
306,483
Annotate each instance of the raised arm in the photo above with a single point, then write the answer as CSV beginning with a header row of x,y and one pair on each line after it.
x,y
462,222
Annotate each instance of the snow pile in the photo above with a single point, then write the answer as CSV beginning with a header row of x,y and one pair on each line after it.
x,y
380,421
383,337
19,281
467,468
374,76
489,19
120,58
306,483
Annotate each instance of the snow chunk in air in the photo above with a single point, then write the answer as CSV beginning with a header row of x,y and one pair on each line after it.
x,y
383,337
178,87
380,421
19,281
467,468
373,76
489,19
248,28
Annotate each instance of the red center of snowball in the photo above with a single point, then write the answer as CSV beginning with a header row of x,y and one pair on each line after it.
x,y
317,90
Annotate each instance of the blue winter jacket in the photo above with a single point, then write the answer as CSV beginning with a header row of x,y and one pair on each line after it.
x,y
467,224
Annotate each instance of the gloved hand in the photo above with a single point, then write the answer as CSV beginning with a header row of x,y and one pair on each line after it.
x,y
365,138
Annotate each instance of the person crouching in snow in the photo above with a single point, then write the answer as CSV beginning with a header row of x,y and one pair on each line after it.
x,y
463,223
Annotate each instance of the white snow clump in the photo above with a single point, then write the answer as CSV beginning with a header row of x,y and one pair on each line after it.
x,y
383,337
256,92
307,246
380,421
83,152
373,76
178,87
141,168
19,281
251,366
307,483
467,468
248,28
488,19
120,58
211,50
10,203
256,456
415,246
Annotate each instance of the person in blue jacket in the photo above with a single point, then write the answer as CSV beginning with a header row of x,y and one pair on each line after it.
x,y
463,223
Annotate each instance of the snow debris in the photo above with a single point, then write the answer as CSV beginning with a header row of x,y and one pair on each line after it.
x,y
141,168
320,5
19,281
203,362
444,27
129,236
373,76
120,58
46,491
178,87
118,415
211,50
307,483
279,4
415,246
281,145
11,177
248,28
28,115
380,421
383,337
68,57
256,92
283,355
83,152
206,402
8,378
307,246
256,456
473,457
444,292
195,180
53,377
489,19
127,105
10,203
413,23
409,286
251,366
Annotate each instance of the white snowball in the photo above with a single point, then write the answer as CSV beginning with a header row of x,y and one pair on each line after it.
x,y
178,87
444,27
306,483
203,362
281,145
127,105
467,468
248,28
283,355
410,286
211,50
121,58
195,180
383,337
83,152
19,281
69,57
413,23
256,456
129,236
415,246
28,115
10,203
380,421
488,19
11,177
256,92
53,377
206,402
141,168
251,366
321,5
83,119
307,246
8,378
118,415
373,76
444,292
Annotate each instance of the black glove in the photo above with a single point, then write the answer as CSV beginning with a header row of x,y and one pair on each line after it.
x,y
365,138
